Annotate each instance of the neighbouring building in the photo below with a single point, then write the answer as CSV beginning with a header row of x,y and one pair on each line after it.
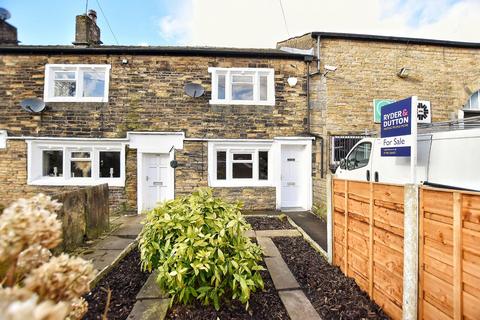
x,y
155,122
353,72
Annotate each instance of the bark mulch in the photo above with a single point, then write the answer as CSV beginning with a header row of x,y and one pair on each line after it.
x,y
125,280
267,223
263,305
332,294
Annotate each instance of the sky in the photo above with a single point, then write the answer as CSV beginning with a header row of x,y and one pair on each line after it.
x,y
242,23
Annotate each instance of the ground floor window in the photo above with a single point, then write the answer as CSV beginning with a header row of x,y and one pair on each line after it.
x,y
76,163
239,164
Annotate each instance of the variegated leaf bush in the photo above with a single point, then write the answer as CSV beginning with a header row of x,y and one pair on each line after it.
x,y
198,245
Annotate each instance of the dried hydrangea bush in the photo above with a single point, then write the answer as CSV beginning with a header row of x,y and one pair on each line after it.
x,y
36,285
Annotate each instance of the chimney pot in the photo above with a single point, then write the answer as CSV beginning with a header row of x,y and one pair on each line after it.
x,y
92,14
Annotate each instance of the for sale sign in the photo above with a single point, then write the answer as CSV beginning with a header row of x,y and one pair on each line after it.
x,y
398,122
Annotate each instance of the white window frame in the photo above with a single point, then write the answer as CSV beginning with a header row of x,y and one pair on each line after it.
x,y
79,69
35,166
256,73
232,148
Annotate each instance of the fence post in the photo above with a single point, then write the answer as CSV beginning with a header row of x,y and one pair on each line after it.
x,y
410,252
457,256
370,239
345,240
330,218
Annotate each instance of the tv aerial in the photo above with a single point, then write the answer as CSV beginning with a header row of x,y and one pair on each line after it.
x,y
4,14
194,90
33,105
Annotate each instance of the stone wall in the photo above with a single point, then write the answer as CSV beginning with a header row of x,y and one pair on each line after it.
x,y
342,101
367,70
147,94
84,215
192,173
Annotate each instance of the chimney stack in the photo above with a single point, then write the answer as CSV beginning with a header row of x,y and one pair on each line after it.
x,y
8,33
87,33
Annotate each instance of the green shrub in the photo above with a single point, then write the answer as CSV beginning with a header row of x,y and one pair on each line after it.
x,y
197,243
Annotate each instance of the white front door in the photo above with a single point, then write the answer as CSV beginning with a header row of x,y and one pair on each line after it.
x,y
156,177
293,188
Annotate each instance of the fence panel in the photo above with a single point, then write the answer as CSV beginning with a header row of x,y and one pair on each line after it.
x,y
368,240
449,268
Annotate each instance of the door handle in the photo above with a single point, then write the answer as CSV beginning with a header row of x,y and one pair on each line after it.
x,y
147,178
376,176
368,175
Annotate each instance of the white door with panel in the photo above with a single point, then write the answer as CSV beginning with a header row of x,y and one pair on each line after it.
x,y
157,181
292,184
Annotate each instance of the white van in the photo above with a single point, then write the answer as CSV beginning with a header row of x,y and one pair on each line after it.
x,y
445,159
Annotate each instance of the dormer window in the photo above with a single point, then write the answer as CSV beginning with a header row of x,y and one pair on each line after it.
x,y
76,83
251,86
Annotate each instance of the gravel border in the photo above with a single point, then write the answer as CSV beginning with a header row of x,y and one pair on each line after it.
x,y
332,294
269,223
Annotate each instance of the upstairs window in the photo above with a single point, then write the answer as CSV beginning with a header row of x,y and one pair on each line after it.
x,y
253,86
76,83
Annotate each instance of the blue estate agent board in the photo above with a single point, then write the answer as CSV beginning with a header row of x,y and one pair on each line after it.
x,y
397,121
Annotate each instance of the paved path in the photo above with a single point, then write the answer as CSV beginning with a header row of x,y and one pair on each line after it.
x,y
296,303
105,251
312,225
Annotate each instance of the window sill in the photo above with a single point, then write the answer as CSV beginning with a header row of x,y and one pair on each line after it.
x,y
245,103
240,183
75,99
58,182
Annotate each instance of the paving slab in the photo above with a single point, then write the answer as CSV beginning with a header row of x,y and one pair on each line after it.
x,y
282,276
101,258
269,248
278,233
130,226
150,289
298,306
149,309
250,233
112,243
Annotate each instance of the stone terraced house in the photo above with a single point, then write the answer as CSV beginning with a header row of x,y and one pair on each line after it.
x,y
263,132
121,115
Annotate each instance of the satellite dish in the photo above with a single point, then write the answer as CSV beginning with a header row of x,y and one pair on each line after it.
x,y
32,105
4,14
194,90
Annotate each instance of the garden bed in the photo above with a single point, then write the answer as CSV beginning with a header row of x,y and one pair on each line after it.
x,y
263,305
331,293
268,223
124,280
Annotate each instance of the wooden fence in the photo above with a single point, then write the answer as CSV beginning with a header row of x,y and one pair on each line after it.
x,y
368,246
370,249
449,259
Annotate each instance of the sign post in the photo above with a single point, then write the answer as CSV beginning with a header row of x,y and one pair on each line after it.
x,y
399,132
399,139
